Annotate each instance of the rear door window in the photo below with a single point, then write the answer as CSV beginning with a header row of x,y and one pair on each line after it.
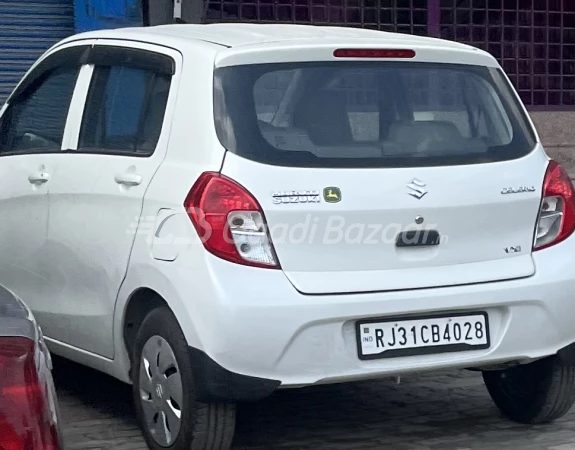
x,y
369,115
124,110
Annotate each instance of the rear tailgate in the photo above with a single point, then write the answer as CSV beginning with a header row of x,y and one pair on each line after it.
x,y
350,246
385,173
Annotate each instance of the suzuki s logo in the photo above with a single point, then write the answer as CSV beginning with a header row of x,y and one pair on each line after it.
x,y
159,391
417,189
332,194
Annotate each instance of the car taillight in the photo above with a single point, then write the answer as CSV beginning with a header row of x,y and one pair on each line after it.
x,y
27,419
230,221
556,219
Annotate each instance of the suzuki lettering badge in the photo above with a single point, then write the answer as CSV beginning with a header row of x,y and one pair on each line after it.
x,y
295,197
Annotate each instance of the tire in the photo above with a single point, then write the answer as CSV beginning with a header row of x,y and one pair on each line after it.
x,y
158,399
535,393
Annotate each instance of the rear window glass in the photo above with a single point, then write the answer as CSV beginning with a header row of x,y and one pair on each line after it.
x,y
369,114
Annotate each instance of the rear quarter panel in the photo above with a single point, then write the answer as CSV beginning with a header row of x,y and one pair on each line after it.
x,y
193,148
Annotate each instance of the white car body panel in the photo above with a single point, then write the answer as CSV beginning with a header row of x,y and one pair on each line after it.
x,y
309,339
349,246
27,268
296,325
23,231
91,230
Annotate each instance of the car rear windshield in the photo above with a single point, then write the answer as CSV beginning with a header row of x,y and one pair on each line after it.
x,y
375,114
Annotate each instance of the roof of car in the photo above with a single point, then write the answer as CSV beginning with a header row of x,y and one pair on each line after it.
x,y
240,34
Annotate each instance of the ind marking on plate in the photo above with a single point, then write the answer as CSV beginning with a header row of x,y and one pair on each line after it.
x,y
295,197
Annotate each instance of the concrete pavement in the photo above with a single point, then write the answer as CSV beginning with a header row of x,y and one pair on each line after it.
x,y
447,410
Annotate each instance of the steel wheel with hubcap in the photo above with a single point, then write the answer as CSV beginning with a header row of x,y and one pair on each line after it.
x,y
163,388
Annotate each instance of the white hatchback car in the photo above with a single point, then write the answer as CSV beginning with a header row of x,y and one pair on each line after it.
x,y
215,212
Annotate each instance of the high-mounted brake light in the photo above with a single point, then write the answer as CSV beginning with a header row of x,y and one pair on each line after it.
x,y
556,221
374,53
27,420
230,221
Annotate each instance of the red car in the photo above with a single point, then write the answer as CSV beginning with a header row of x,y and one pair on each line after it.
x,y
28,408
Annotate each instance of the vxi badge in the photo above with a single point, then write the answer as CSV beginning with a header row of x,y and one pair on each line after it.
x,y
518,190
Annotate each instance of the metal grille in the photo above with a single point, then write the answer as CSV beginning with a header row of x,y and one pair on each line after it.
x,y
27,29
533,39
404,16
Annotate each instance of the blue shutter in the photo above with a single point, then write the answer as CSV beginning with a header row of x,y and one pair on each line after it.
x,y
27,29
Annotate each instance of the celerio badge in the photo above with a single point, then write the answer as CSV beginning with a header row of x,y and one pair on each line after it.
x,y
518,190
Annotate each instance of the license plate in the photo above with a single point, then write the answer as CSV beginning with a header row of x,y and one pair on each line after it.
x,y
387,338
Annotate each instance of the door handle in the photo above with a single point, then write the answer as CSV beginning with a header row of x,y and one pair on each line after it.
x,y
420,238
129,179
39,178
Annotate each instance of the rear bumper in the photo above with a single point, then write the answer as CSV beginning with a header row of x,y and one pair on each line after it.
x,y
257,325
214,383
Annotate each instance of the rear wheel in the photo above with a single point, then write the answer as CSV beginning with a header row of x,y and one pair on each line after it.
x,y
534,393
163,389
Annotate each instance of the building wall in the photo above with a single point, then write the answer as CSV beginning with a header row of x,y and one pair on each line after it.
x,y
557,132
28,29
534,40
